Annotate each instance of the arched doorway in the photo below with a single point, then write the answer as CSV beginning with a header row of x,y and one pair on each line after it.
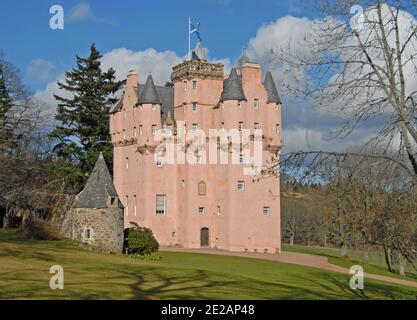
x,y
204,237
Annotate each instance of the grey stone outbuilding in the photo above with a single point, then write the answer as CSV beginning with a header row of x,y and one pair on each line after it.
x,y
97,216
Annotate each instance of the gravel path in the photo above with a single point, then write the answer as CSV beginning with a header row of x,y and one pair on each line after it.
x,y
301,259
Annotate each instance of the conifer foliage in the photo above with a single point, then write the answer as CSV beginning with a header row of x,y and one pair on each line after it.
x,y
83,113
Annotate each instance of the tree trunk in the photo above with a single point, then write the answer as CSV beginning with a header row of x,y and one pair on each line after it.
x,y
401,263
291,240
387,254
343,250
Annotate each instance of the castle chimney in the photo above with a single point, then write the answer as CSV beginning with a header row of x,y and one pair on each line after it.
x,y
132,79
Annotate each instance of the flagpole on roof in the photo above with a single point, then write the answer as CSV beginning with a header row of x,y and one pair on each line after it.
x,y
189,38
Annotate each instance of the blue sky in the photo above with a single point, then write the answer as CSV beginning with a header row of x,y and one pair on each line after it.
x,y
227,25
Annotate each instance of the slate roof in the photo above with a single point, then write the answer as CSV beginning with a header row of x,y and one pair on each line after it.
x,y
232,88
149,94
270,87
98,188
166,96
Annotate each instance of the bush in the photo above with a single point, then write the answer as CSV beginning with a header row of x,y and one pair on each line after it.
x,y
38,229
141,241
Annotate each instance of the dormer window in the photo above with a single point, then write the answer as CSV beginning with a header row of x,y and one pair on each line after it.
x,y
194,84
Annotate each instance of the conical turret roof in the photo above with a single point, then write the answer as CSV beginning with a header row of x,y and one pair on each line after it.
x,y
270,87
149,94
232,88
98,188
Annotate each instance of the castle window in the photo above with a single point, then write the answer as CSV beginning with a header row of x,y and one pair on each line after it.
x,y
277,107
124,134
194,127
134,132
194,106
201,210
161,205
242,159
153,129
222,126
113,201
240,126
140,130
266,211
199,159
135,208
239,104
277,129
184,107
154,107
202,188
256,104
194,85
159,160
87,233
127,163
241,185
218,211
185,86
256,127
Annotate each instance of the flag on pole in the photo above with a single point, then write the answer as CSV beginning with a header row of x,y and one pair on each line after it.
x,y
196,29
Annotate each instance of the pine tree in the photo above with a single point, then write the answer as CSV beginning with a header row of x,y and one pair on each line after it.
x,y
6,103
84,118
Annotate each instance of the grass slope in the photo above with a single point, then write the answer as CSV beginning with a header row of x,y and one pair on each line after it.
x,y
24,274
375,265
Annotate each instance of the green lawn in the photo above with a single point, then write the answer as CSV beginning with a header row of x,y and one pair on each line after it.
x,y
375,265
24,273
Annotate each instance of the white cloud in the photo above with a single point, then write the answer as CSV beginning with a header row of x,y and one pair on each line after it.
x,y
40,70
80,12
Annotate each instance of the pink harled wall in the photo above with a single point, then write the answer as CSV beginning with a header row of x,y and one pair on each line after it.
x,y
235,219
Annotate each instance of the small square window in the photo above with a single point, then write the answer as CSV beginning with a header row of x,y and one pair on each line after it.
x,y
201,210
241,185
266,211
194,84
194,106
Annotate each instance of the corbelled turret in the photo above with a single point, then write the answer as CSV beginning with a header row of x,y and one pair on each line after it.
x,y
149,94
270,87
232,88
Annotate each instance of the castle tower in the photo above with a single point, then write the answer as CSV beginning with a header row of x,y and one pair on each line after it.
x,y
96,217
196,202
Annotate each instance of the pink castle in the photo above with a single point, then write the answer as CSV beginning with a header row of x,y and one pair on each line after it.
x,y
200,203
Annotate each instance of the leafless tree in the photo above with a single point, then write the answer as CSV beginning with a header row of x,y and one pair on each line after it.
x,y
362,68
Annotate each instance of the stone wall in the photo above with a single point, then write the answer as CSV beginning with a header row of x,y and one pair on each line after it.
x,y
101,228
